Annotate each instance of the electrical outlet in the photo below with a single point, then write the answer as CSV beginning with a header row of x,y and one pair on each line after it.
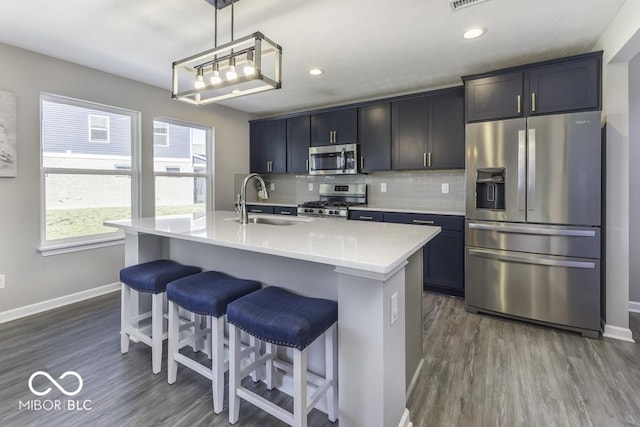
x,y
445,188
2,281
383,187
272,186
394,308
311,186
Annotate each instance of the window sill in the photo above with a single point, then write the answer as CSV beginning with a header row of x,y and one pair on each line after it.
x,y
69,247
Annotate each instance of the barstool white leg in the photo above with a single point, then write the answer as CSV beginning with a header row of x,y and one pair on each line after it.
x,y
174,342
331,358
300,388
125,316
157,320
255,355
271,351
234,373
217,362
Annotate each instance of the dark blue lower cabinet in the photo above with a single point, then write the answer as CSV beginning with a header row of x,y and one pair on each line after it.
x,y
443,263
443,256
285,210
278,210
366,215
260,209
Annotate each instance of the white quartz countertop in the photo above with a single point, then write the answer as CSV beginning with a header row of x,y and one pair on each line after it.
x,y
375,247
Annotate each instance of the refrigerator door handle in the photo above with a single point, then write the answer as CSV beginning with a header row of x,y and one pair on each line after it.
x,y
532,230
531,259
521,168
531,193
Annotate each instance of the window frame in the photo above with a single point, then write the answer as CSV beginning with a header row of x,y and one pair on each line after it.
x,y
92,127
209,150
72,244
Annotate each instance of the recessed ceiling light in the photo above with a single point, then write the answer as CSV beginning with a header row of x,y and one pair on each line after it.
x,y
473,33
315,72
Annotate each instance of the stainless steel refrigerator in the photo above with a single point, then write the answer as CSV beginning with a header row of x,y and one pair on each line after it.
x,y
533,213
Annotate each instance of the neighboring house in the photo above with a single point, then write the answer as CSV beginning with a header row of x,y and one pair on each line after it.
x,y
80,138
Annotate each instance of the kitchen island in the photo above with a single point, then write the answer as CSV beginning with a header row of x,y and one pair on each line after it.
x,y
373,271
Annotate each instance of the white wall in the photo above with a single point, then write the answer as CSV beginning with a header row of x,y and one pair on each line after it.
x,y
634,186
620,42
32,278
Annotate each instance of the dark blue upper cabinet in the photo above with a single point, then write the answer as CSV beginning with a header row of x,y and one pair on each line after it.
x,y
268,146
557,86
428,131
298,140
375,137
334,127
495,97
563,87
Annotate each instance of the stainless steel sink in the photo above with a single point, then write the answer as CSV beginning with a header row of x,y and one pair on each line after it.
x,y
270,221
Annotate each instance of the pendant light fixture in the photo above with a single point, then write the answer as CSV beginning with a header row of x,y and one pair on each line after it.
x,y
199,79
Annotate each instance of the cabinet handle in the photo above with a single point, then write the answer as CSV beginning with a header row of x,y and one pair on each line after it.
x,y
424,159
519,105
255,210
429,159
368,218
361,162
285,212
306,165
422,221
533,101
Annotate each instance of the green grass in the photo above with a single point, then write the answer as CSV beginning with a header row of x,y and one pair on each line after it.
x,y
66,223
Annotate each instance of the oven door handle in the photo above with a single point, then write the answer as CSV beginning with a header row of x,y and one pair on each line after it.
x,y
531,259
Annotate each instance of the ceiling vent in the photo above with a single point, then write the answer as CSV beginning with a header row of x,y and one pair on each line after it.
x,y
459,4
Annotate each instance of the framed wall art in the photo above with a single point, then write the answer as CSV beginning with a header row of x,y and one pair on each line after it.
x,y
8,139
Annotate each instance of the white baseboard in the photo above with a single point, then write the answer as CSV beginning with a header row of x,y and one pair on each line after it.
x,y
414,380
405,421
618,333
634,306
28,310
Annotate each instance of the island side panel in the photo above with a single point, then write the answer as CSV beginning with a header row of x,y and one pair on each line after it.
x,y
413,302
371,368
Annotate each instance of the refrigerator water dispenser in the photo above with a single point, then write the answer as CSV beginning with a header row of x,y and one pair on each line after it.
x,y
490,188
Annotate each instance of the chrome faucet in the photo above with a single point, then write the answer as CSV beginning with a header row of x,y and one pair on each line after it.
x,y
244,215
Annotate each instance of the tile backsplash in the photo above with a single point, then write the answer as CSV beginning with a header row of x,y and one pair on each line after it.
x,y
405,190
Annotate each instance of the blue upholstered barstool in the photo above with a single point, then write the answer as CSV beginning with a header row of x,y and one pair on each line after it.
x,y
282,318
207,294
150,277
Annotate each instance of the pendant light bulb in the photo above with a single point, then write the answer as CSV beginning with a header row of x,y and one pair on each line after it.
x,y
231,72
249,68
199,83
215,77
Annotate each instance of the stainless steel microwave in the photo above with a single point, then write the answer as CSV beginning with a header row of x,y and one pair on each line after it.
x,y
333,159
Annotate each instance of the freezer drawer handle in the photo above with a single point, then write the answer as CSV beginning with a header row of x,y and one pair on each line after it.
x,y
530,230
527,259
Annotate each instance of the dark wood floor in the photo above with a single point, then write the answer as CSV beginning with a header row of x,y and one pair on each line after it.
x,y
486,371
479,371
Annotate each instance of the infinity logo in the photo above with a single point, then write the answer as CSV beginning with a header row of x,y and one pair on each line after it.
x,y
55,383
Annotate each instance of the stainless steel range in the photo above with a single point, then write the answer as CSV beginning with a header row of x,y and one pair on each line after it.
x,y
335,200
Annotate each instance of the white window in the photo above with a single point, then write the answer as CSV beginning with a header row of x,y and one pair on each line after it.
x,y
183,169
85,184
98,128
161,134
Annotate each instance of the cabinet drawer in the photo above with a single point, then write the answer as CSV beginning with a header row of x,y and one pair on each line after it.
x,y
366,216
447,222
285,210
260,209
